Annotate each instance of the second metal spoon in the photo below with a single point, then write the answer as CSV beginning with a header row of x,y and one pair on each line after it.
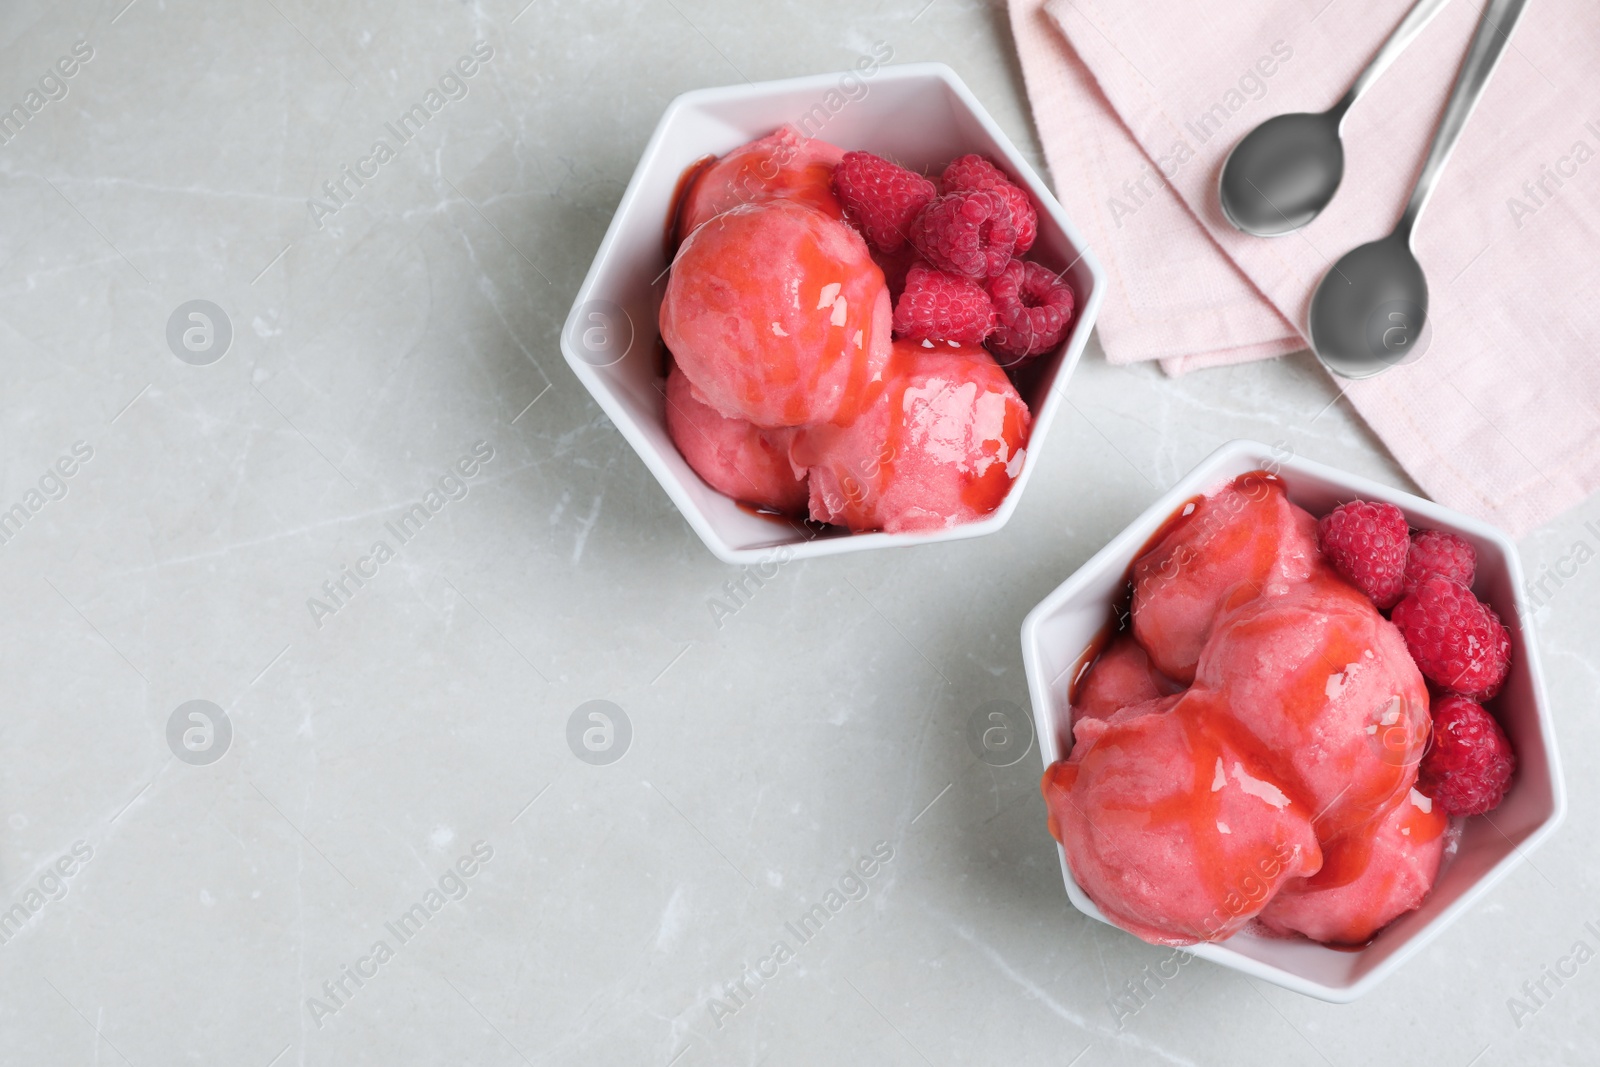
x,y
1370,309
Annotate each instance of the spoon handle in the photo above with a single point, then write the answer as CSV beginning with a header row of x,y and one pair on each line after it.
x,y
1493,34
1416,20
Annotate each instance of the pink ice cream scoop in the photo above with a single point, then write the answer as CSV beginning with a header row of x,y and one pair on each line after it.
x,y
734,457
778,315
1121,675
784,165
939,443
1386,877
1178,834
1325,686
1244,540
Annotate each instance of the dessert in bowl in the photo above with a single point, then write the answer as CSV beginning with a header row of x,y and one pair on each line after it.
x,y
904,420
1250,760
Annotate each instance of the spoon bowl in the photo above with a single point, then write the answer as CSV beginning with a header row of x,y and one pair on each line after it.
x,y
1286,170
1370,311
1283,173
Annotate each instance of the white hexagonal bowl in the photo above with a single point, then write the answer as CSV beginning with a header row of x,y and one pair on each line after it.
x,y
918,114
1056,634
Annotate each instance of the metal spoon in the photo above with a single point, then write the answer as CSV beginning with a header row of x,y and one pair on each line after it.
x,y
1369,310
1285,171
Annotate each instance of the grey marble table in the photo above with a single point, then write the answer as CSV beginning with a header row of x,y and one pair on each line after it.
x,y
394,768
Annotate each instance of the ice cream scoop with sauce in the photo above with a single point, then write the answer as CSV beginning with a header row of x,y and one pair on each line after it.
x,y
1399,861
1245,534
778,315
734,456
1172,826
784,165
939,442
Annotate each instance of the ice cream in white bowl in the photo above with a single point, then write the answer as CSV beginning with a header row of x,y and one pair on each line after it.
x,y
1288,788
921,116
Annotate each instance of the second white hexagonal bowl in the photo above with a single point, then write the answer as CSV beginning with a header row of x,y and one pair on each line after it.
x,y
1068,622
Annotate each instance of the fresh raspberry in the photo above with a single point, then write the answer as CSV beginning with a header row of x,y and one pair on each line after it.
x,y
881,197
966,233
1441,553
943,307
1367,543
974,172
1033,308
1469,764
1457,640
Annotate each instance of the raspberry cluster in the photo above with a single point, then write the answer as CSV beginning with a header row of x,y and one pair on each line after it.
x,y
951,250
1424,579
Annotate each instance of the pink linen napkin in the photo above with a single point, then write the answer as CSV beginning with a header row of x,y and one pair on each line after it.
x,y
1139,102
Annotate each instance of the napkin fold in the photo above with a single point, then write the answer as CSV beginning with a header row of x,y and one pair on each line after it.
x,y
1137,105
